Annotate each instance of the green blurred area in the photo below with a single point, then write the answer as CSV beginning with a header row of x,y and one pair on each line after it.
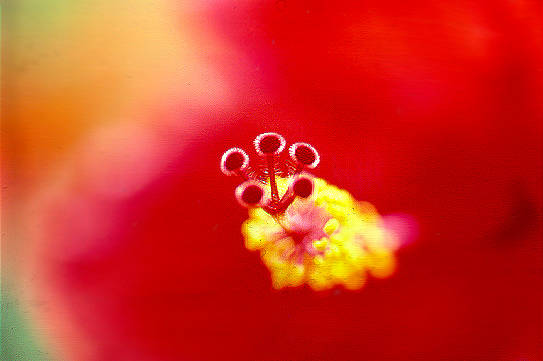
x,y
19,341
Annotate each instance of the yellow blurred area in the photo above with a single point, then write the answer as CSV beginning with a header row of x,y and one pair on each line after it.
x,y
84,84
75,65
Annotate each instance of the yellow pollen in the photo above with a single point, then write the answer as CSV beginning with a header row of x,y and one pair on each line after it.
x,y
321,244
327,240
331,226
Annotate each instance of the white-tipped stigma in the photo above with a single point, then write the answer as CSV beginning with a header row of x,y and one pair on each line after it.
x,y
304,154
233,161
251,194
269,144
302,185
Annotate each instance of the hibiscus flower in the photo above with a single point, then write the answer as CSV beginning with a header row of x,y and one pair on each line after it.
x,y
426,110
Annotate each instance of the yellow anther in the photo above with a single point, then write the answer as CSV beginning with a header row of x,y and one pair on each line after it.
x,y
331,226
320,244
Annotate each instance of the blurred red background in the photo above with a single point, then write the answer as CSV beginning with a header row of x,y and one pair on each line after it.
x,y
427,109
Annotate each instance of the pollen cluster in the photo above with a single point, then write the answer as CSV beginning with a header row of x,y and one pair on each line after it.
x,y
306,230
325,241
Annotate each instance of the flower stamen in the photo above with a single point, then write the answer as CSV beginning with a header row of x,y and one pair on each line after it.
x,y
307,230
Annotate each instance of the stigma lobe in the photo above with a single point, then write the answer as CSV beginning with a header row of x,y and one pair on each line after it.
x,y
270,167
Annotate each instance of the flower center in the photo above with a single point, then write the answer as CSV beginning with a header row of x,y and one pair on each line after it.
x,y
307,230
